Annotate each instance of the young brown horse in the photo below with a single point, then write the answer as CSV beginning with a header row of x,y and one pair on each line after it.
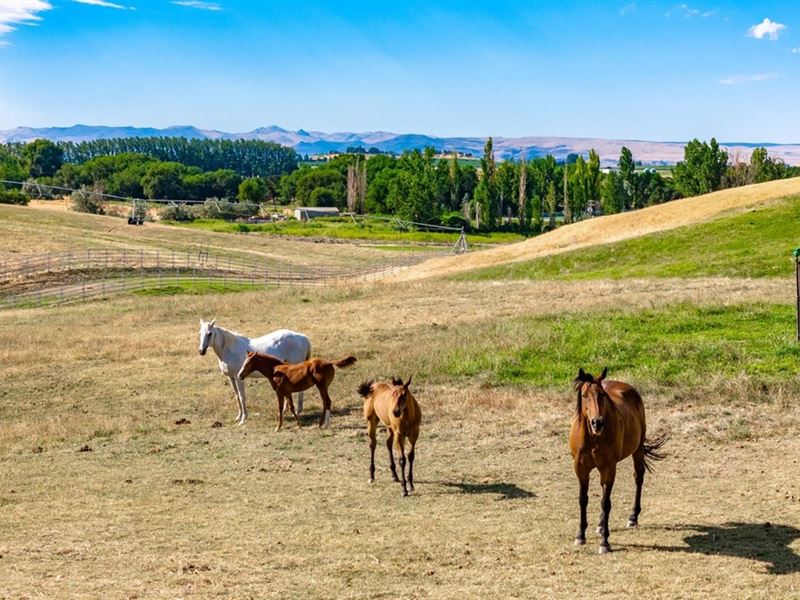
x,y
287,379
394,405
609,426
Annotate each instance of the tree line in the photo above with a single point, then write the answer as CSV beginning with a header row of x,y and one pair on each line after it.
x,y
528,195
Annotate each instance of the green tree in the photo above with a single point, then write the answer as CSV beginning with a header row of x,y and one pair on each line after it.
x,y
702,169
627,169
489,197
164,180
253,190
612,196
43,158
551,202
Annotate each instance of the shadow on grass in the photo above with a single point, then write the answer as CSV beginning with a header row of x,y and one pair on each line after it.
x,y
764,542
507,491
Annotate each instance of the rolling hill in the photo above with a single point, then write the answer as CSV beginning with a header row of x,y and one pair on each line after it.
x,y
597,233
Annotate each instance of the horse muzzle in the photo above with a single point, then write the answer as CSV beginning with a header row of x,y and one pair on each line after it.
x,y
202,351
597,426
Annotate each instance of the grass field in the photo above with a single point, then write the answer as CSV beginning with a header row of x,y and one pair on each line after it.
x,y
107,491
756,243
343,228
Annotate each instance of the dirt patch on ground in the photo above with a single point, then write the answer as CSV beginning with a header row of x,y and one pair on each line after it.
x,y
611,228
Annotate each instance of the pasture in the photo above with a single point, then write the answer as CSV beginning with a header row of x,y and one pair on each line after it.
x,y
124,476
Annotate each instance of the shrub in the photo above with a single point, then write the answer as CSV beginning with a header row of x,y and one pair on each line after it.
x,y
213,208
453,218
86,201
177,212
13,197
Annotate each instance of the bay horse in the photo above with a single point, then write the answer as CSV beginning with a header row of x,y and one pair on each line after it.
x,y
395,407
231,349
289,378
608,426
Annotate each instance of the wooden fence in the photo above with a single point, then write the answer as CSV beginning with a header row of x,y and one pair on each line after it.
x,y
60,277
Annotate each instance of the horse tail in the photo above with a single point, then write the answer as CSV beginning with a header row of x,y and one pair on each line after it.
x,y
345,362
365,389
651,450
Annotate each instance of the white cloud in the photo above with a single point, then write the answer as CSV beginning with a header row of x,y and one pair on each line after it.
x,y
103,3
689,12
795,50
766,28
19,12
201,4
628,8
741,78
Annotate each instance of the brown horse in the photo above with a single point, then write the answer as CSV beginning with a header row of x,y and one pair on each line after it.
x,y
609,426
394,405
287,379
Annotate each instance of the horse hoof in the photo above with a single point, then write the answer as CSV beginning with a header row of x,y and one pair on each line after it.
x,y
632,523
599,530
604,550
371,482
580,541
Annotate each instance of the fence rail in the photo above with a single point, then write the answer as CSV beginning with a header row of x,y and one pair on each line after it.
x,y
127,271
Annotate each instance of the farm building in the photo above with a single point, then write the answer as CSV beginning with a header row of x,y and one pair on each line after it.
x,y
302,213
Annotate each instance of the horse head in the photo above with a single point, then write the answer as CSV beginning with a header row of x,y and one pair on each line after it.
x,y
206,335
400,395
248,366
592,400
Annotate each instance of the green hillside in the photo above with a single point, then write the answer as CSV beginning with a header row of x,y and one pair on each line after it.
x,y
757,243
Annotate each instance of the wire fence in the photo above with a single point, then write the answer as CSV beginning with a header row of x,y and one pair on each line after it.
x,y
75,276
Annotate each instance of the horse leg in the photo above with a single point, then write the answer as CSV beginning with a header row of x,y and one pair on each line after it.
x,y
239,390
607,476
372,425
300,398
294,412
413,442
235,386
280,411
389,444
325,419
583,501
638,474
399,444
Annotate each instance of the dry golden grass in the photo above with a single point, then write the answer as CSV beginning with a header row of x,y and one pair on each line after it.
x,y
160,510
31,230
611,228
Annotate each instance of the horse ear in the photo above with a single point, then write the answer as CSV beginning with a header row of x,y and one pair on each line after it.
x,y
211,324
581,374
408,383
603,374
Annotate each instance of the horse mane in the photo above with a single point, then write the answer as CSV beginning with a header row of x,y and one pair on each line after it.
x,y
577,385
269,358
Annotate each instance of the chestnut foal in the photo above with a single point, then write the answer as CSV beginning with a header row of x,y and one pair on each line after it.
x,y
608,427
396,408
287,379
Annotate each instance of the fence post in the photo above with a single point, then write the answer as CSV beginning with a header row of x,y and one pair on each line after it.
x,y
797,283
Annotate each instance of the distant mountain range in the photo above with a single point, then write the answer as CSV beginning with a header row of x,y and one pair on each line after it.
x,y
317,142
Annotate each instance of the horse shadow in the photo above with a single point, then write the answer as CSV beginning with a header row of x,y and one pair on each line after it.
x,y
765,542
507,491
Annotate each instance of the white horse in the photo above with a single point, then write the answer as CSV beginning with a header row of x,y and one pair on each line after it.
x,y
231,349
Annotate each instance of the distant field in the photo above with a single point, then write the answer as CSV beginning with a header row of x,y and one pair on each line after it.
x,y
346,229
757,243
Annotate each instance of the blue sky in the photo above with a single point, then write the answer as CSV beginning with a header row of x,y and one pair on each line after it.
x,y
634,70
